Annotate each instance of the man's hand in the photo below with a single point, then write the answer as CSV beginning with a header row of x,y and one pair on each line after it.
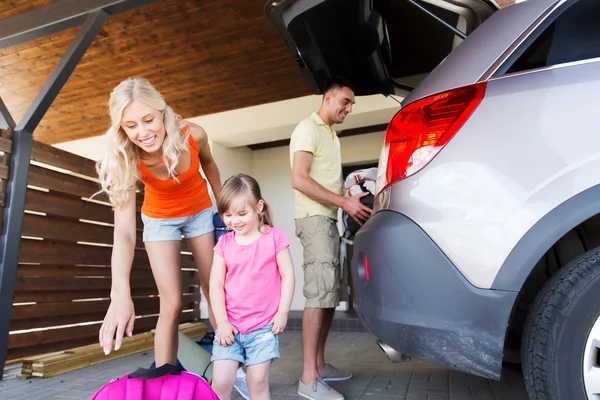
x,y
357,210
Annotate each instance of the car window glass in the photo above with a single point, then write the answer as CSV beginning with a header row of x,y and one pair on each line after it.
x,y
573,36
413,57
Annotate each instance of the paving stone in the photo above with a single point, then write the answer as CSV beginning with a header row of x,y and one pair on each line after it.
x,y
374,377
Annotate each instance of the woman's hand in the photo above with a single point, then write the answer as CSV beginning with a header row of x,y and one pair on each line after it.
x,y
279,322
119,320
226,333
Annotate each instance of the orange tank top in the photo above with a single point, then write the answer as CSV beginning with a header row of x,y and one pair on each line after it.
x,y
172,199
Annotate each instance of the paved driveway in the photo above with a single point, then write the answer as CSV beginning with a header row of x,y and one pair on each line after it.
x,y
374,376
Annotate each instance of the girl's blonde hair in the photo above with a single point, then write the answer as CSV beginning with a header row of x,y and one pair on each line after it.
x,y
242,185
118,169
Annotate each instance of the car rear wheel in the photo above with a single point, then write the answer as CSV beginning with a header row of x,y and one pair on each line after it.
x,y
561,358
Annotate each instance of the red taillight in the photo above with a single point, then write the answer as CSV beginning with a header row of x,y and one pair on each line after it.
x,y
421,129
366,267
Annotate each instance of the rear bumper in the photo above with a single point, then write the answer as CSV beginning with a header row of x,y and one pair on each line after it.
x,y
417,302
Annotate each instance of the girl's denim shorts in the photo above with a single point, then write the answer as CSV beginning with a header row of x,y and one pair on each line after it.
x,y
161,229
256,347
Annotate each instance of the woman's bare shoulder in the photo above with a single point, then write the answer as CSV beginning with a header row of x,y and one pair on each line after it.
x,y
198,133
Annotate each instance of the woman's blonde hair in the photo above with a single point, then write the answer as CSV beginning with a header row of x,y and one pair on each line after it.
x,y
118,170
242,185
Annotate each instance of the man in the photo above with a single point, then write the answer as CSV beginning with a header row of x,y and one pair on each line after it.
x,y
317,179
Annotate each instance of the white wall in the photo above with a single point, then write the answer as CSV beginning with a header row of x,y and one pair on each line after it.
x,y
271,168
92,147
231,161
361,148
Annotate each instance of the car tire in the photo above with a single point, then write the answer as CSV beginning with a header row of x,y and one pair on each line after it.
x,y
559,329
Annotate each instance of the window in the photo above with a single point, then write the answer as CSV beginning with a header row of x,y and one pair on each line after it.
x,y
573,36
348,169
417,43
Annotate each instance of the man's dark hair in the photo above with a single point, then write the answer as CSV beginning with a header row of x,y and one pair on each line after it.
x,y
337,82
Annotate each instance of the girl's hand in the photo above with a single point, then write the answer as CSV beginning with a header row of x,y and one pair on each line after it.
x,y
279,322
119,320
226,334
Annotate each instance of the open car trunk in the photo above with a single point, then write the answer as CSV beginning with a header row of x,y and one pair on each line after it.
x,y
379,45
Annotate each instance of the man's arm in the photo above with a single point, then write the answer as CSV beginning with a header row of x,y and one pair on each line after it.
x,y
302,182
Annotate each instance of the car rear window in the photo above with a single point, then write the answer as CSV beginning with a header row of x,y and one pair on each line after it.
x,y
417,42
573,36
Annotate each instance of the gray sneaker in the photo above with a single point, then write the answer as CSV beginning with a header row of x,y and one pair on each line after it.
x,y
332,374
241,385
318,390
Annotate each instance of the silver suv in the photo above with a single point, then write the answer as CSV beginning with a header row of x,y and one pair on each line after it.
x,y
485,241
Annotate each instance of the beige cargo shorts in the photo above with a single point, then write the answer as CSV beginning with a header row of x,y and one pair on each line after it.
x,y
321,243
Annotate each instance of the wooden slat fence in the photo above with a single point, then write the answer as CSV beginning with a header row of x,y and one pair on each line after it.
x,y
63,278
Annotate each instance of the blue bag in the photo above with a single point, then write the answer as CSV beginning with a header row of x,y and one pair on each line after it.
x,y
220,227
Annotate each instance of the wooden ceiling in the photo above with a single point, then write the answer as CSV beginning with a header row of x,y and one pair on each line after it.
x,y
205,56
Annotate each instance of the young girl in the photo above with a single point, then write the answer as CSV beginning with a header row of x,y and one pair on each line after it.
x,y
148,143
251,289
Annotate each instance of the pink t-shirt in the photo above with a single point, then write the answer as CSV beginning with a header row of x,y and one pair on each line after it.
x,y
252,279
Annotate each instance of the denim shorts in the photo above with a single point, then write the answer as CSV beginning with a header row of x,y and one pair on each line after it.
x,y
250,348
161,229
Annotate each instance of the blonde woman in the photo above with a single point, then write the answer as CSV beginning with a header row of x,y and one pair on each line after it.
x,y
147,142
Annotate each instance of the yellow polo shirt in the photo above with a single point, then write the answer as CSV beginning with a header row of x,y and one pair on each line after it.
x,y
314,136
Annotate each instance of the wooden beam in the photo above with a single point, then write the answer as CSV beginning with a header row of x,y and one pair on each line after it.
x,y
363,130
6,120
57,16
268,145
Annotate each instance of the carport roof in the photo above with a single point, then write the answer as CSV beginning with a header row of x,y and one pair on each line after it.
x,y
204,56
